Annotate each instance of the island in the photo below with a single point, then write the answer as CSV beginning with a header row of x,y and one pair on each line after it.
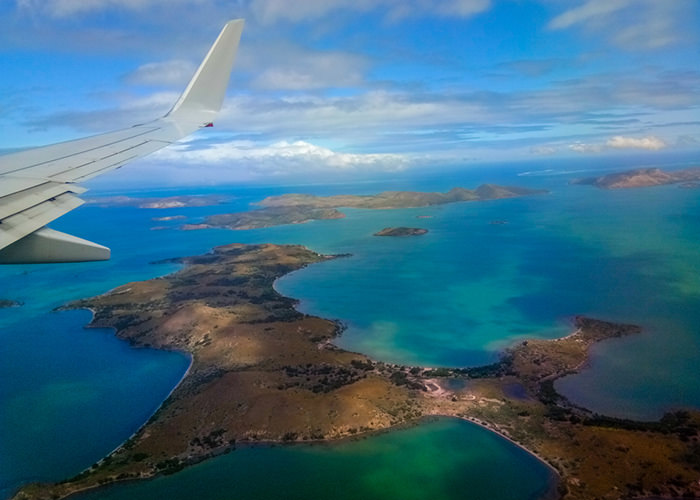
x,y
301,208
400,199
262,372
6,303
266,217
644,177
179,201
401,231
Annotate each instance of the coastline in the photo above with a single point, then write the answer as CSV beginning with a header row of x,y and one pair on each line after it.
x,y
299,351
551,487
501,433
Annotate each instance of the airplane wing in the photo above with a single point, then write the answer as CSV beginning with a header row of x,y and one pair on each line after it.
x,y
39,185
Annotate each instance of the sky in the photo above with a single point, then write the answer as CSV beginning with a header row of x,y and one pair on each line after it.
x,y
326,89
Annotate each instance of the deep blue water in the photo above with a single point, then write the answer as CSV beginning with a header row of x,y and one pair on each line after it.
x,y
454,296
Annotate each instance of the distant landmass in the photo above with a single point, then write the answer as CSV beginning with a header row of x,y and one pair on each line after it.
x,y
300,208
167,202
400,199
266,217
263,372
401,231
644,177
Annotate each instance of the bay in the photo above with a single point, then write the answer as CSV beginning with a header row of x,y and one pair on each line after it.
x,y
446,459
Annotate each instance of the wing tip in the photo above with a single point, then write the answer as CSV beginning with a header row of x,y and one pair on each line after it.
x,y
205,93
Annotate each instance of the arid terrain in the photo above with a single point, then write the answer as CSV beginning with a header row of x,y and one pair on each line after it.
x,y
263,372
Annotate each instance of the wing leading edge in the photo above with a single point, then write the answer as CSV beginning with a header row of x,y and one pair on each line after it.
x,y
39,185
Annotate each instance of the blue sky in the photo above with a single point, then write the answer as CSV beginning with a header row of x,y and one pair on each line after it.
x,y
325,88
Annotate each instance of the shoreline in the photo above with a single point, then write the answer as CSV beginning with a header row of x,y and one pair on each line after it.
x,y
499,432
333,442
269,353
189,356
427,419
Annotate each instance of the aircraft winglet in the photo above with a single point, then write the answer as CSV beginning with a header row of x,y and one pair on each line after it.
x,y
205,93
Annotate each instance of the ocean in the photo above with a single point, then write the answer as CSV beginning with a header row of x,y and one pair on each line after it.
x,y
453,297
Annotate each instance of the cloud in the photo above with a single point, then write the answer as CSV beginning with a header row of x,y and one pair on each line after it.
x,y
463,8
168,73
70,8
274,11
543,150
293,68
633,24
590,11
279,158
650,143
134,110
580,147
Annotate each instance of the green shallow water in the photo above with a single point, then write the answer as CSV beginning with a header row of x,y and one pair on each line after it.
x,y
444,459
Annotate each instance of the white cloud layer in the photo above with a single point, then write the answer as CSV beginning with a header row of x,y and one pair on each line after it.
x,y
650,142
631,24
266,12
69,8
272,11
579,147
279,158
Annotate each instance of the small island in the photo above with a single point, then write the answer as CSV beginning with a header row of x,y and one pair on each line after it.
x,y
644,177
401,231
262,372
301,208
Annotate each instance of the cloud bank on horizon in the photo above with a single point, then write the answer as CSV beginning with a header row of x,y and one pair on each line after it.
x,y
335,86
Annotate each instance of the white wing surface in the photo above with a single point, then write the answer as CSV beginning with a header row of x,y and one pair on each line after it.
x,y
39,185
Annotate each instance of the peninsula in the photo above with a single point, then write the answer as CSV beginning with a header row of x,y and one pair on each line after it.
x,y
263,372
300,208
644,177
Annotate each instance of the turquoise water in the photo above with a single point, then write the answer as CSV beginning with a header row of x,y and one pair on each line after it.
x,y
454,296
445,459
459,294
